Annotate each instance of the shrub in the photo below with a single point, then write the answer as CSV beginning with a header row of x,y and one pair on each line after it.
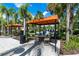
x,y
72,44
62,35
76,31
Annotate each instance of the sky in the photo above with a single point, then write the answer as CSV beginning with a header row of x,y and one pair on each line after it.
x,y
33,8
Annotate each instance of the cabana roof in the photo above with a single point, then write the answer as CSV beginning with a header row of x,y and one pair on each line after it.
x,y
45,21
14,25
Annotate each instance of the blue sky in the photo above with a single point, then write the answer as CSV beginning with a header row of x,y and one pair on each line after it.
x,y
33,8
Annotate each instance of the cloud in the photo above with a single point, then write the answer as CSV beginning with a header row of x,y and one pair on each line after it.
x,y
45,12
18,4
30,5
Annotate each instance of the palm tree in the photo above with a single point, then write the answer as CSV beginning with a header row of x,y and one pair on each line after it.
x,y
39,15
16,17
3,11
24,15
55,8
11,12
7,13
59,10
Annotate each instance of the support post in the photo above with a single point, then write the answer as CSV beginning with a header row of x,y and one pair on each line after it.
x,y
39,28
35,29
55,36
49,33
58,31
26,31
11,31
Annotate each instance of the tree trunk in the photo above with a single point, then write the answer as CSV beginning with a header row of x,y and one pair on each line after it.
x,y
2,28
7,24
24,26
71,22
18,27
68,18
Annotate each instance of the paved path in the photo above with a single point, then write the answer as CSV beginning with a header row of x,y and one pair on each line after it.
x,y
7,43
37,49
32,48
43,49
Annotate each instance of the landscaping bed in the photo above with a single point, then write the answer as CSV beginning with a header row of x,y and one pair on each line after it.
x,y
71,47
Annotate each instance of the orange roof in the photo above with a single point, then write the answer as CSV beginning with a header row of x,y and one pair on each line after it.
x,y
45,21
14,25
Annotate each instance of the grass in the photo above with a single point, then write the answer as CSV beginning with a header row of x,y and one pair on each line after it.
x,y
73,44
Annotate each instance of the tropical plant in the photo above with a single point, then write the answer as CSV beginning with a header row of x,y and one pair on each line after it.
x,y
23,14
72,44
59,9
39,15
26,15
3,11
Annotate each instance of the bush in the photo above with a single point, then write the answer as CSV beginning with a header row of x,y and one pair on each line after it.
x,y
72,44
62,35
75,32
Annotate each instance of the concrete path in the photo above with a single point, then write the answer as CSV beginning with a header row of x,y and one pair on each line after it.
x,y
43,50
7,43
32,48
37,49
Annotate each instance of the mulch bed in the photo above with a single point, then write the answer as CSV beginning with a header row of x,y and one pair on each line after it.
x,y
65,52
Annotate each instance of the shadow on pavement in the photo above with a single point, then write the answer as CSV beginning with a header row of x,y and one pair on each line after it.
x,y
39,52
18,51
14,51
29,50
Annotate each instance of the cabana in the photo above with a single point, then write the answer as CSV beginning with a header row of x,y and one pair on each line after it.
x,y
46,21
12,26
